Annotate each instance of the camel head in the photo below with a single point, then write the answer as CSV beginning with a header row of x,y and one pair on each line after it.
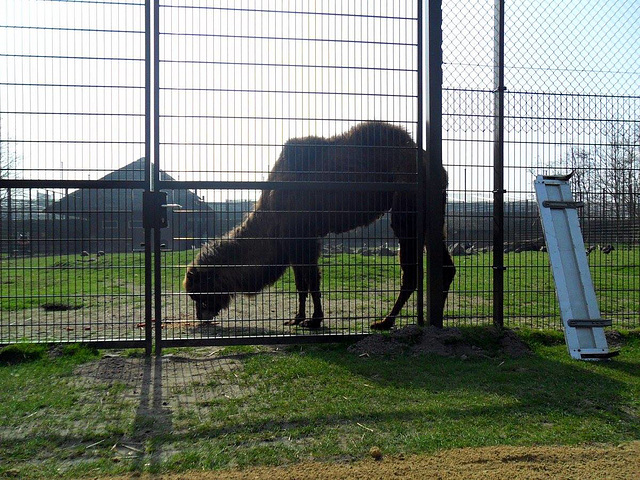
x,y
205,289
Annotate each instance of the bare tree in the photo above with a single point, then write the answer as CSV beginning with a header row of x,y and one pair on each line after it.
x,y
8,196
7,167
585,176
621,180
608,176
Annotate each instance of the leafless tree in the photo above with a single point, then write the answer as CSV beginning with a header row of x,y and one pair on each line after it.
x,y
7,166
608,175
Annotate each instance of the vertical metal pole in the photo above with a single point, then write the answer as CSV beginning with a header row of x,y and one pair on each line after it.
x,y
148,286
435,208
10,243
156,174
421,203
498,169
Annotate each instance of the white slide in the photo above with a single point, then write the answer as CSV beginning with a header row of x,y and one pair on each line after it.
x,y
583,326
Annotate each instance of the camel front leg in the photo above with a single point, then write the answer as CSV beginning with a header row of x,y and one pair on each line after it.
x,y
314,289
304,259
302,285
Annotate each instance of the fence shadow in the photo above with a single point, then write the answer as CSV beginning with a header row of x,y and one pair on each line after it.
x,y
171,402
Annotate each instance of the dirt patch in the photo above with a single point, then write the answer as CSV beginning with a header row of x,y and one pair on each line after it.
x,y
59,307
614,338
446,342
183,379
517,463
113,368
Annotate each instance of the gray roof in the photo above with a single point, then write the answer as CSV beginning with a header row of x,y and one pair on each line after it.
x,y
92,201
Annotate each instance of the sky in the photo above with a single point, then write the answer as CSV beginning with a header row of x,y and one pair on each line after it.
x,y
237,79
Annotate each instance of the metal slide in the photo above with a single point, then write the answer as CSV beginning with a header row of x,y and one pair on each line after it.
x,y
583,326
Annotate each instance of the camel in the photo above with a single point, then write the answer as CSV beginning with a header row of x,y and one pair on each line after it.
x,y
287,225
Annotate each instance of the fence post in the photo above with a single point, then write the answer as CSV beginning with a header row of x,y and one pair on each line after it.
x,y
148,266
421,204
433,107
155,176
498,168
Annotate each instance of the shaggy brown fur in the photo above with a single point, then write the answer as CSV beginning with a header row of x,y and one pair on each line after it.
x,y
286,225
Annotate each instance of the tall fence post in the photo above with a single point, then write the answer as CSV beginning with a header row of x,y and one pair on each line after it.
x,y
498,168
148,280
433,107
155,177
421,205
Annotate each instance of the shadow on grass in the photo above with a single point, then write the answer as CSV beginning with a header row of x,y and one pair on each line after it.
x,y
237,403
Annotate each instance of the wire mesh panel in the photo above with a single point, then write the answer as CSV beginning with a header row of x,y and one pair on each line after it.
x,y
72,138
573,105
571,74
69,272
72,87
289,146
266,115
467,154
360,274
239,80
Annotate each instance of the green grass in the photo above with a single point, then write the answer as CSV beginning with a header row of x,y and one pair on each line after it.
x,y
529,290
29,282
312,402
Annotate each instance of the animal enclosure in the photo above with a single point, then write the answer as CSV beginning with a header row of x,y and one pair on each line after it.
x,y
134,132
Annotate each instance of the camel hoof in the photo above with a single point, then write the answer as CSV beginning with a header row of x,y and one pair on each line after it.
x,y
385,324
209,323
315,323
296,321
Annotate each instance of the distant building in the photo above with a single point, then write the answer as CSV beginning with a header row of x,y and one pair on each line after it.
x,y
111,220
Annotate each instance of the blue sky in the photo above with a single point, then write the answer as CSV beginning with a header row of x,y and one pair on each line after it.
x,y
259,72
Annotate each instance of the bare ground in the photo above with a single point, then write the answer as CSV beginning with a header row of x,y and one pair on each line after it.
x,y
516,463
446,342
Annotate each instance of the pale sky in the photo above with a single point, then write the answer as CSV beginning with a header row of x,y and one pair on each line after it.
x,y
240,78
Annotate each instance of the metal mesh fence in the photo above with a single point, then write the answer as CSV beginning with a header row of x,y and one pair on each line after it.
x,y
572,102
73,80
467,154
69,269
242,88
238,81
255,100
574,47
360,275
72,112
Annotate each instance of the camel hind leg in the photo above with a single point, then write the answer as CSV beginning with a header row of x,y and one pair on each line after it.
x,y
408,264
448,272
403,224
314,290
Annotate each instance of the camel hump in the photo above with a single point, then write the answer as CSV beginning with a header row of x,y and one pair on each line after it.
x,y
370,151
369,134
377,134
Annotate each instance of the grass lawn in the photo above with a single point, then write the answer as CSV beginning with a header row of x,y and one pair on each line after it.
x,y
72,412
529,298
